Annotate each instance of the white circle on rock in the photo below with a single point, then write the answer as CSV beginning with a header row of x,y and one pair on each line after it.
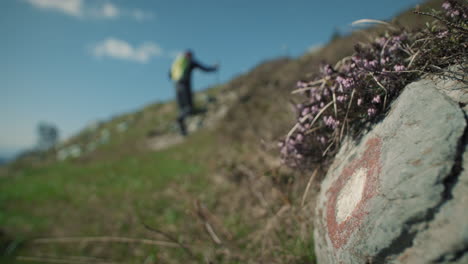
x,y
351,194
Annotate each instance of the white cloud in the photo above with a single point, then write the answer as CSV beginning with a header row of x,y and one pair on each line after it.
x,y
69,7
120,49
141,15
87,9
109,10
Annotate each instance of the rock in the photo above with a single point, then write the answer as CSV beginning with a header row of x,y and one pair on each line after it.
x,y
164,141
457,91
194,123
122,127
73,151
104,137
400,194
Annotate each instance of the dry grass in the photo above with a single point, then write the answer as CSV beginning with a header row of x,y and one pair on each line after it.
x,y
249,209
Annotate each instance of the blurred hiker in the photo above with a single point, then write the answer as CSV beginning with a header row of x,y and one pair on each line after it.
x,y
181,74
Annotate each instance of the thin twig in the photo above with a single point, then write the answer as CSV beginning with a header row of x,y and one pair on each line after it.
x,y
382,52
310,86
328,148
317,116
371,21
212,233
296,126
410,49
413,58
60,260
206,216
347,112
313,130
103,239
338,64
381,86
441,19
170,237
334,105
405,51
308,186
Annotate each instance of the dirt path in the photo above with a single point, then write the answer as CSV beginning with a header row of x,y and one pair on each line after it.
x,y
216,109
164,141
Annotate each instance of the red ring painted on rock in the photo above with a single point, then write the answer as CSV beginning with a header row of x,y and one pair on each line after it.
x,y
340,231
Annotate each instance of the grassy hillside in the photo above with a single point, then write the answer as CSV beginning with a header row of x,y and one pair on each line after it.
x,y
219,196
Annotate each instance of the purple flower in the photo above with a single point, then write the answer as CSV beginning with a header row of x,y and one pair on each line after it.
x,y
384,61
322,140
394,47
301,84
284,151
314,109
359,101
442,34
370,64
331,122
339,79
397,38
299,137
327,69
381,41
366,63
454,13
342,98
371,112
345,82
340,89
399,67
376,99
446,5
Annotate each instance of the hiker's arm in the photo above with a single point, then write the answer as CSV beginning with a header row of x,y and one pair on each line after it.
x,y
205,68
170,75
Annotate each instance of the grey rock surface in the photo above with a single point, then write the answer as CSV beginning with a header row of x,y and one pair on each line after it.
x,y
400,194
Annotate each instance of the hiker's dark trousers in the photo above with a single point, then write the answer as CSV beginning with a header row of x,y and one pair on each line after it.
x,y
184,100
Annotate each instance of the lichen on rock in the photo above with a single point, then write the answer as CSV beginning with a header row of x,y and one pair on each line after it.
x,y
416,209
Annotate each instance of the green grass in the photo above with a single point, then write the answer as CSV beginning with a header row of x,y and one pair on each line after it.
x,y
73,198
112,190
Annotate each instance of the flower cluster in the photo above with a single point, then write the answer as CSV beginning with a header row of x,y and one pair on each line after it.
x,y
455,10
359,88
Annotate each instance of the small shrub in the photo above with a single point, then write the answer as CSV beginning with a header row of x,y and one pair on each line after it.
x,y
359,89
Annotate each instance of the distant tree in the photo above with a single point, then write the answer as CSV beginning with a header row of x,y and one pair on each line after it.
x,y
48,135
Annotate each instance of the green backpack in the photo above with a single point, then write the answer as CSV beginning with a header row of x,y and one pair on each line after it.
x,y
179,67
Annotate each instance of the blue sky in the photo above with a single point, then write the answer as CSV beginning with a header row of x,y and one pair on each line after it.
x,y
71,62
